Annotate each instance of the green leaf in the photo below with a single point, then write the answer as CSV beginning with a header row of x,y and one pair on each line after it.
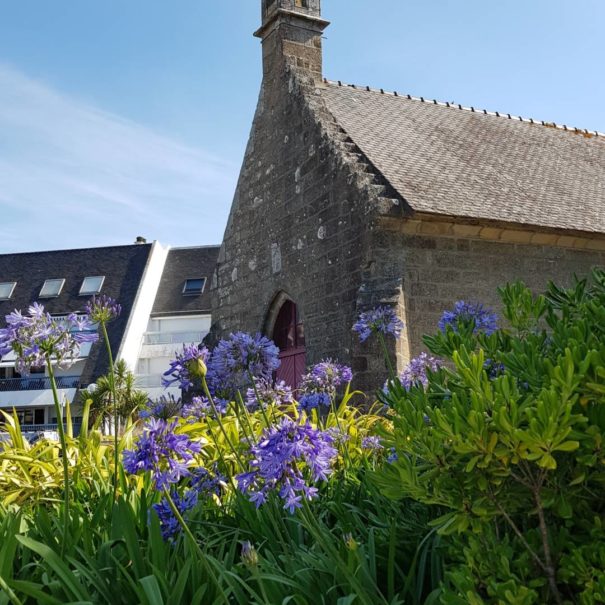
x,y
152,590
68,580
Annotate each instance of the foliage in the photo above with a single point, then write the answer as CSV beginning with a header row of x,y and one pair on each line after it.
x,y
476,478
32,474
350,545
129,398
507,440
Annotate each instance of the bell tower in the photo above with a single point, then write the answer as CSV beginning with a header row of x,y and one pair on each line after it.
x,y
291,35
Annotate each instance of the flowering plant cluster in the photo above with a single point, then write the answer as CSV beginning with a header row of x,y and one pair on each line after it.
x,y
372,443
201,485
199,407
187,368
381,320
103,309
318,387
160,450
283,456
415,374
238,358
37,337
469,315
166,407
269,394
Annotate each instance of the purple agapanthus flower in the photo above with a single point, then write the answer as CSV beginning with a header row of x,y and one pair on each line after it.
x,y
165,407
201,485
393,456
184,502
415,373
240,356
166,454
38,337
103,309
199,407
287,459
187,368
381,320
493,368
469,314
318,387
312,401
277,394
327,376
372,443
338,436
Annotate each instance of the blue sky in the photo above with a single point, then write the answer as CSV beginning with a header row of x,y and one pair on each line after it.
x,y
124,118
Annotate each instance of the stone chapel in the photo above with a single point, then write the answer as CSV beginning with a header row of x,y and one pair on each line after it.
x,y
350,197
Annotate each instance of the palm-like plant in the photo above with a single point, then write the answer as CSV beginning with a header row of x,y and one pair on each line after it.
x,y
128,397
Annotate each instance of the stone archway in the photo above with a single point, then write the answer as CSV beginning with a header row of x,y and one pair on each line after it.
x,y
286,328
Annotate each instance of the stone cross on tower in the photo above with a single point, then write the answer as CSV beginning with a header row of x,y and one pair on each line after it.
x,y
291,33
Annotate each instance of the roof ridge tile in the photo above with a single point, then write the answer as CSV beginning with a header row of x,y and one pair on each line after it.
x,y
458,106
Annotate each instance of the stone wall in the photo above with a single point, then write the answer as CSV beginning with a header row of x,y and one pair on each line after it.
x,y
436,271
298,224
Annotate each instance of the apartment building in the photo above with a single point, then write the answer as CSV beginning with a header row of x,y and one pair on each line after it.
x,y
163,293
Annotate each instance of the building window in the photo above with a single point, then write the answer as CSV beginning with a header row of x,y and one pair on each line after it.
x,y
194,287
302,4
51,288
92,285
6,289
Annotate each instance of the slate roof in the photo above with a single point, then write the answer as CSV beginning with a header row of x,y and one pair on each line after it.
x,y
122,266
183,264
464,163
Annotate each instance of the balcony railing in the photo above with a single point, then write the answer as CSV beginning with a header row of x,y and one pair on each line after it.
x,y
30,431
38,383
168,338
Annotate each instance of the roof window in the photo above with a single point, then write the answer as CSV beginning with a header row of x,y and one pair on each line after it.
x,y
6,289
52,288
91,285
194,286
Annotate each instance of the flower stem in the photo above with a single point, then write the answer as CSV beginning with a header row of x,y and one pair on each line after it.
x,y
112,388
260,402
63,441
239,404
220,424
196,546
387,356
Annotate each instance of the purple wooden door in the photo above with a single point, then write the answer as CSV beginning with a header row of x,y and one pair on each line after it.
x,y
289,336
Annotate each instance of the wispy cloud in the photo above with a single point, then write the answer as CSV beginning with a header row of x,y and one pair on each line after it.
x,y
73,175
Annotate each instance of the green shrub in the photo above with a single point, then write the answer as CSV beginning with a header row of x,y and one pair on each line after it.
x,y
507,440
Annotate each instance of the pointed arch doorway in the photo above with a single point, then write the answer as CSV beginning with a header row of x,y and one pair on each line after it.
x,y
288,333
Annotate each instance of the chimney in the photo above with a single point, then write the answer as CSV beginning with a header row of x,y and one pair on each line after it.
x,y
291,35
140,240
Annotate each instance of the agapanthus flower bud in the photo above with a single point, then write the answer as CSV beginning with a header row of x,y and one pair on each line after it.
x,y
249,554
350,541
187,368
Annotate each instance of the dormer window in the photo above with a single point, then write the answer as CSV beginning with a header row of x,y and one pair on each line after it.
x,y
52,288
194,286
91,285
6,289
